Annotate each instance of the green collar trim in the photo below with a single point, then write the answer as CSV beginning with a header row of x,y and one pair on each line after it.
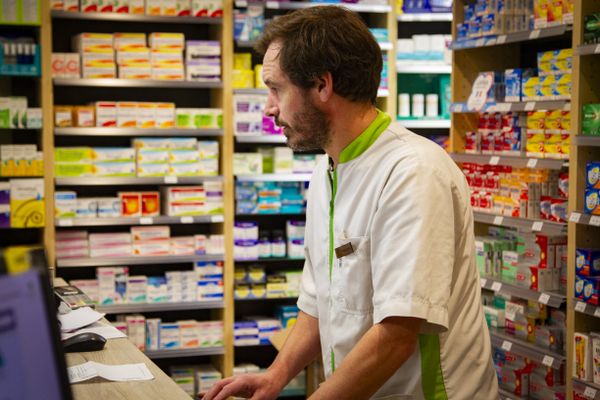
x,y
367,138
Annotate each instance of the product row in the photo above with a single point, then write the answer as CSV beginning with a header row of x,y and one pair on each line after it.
x,y
254,331
278,160
22,203
487,18
518,192
149,157
15,113
141,242
145,115
249,116
586,364
251,244
155,334
21,160
429,48
159,56
177,201
173,8
591,202
535,262
254,282
270,197
195,379
114,285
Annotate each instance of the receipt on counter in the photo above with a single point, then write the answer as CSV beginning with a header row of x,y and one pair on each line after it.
x,y
122,373
79,318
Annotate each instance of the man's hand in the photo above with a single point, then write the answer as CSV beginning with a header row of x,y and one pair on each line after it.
x,y
251,386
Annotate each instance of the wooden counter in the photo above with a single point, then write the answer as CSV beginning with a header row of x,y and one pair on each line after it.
x,y
122,351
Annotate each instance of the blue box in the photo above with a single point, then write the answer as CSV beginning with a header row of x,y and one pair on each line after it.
x,y
579,284
591,201
587,262
592,175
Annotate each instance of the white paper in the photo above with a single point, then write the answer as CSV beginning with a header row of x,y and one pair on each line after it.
x,y
79,318
120,373
107,331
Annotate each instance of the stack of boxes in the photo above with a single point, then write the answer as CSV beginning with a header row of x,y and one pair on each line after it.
x,y
142,241
169,8
15,114
181,201
278,160
254,331
22,203
21,160
244,76
270,197
245,245
249,116
587,278
586,360
203,61
591,201
548,134
522,193
193,380
424,48
254,283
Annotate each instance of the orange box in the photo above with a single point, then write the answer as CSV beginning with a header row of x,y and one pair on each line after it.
x,y
84,116
131,204
150,204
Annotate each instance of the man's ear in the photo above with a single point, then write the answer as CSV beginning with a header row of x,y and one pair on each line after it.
x,y
324,86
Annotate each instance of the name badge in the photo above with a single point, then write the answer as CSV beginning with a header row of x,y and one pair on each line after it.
x,y
344,250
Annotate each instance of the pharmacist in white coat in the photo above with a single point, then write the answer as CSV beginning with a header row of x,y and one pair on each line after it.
x,y
390,294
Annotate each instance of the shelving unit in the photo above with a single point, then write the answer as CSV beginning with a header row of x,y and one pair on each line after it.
x,y
526,349
425,123
160,220
135,83
134,260
137,181
274,178
461,107
157,307
115,17
579,217
512,161
512,38
130,132
593,141
272,139
543,226
548,298
424,68
425,17
178,353
590,390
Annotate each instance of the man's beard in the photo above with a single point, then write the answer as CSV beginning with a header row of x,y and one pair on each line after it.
x,y
311,129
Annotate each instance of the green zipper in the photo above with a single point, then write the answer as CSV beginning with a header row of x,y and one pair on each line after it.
x,y
333,183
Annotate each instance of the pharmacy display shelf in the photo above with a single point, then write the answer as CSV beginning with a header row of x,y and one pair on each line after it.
x,y
130,132
263,91
275,139
510,38
118,17
135,83
422,68
134,260
360,8
425,123
270,260
158,307
585,219
164,180
158,220
514,107
585,308
174,353
425,17
587,49
504,395
581,140
551,299
526,349
532,225
274,178
590,391
383,93
513,161
267,299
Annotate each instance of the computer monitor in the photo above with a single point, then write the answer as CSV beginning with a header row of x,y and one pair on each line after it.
x,y
32,362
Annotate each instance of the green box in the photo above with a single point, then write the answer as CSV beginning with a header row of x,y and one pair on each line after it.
x,y
84,155
591,120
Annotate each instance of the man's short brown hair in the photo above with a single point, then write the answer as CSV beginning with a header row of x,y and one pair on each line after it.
x,y
322,39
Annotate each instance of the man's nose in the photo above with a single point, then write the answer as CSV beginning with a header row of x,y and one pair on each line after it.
x,y
271,108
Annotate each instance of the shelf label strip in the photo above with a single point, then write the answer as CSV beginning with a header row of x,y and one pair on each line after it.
x,y
506,345
575,217
580,306
595,220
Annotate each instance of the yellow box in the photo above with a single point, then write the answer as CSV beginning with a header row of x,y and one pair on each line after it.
x,y
552,144
555,13
547,82
540,13
565,122
536,120
27,203
73,169
565,144
553,120
530,87
146,117
535,143
73,155
258,81
129,40
243,79
563,84
242,61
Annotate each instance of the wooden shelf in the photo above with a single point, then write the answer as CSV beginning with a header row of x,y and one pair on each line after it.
x,y
511,38
166,180
117,17
580,217
131,132
135,83
592,141
514,107
587,49
160,220
133,260
158,307
530,225
177,353
551,299
513,161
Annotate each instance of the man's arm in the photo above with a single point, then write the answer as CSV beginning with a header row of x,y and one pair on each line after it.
x,y
378,354
301,347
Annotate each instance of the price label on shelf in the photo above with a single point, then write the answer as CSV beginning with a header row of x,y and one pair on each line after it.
x,y
537,226
534,34
574,217
589,392
217,218
273,4
494,160
496,286
506,345
580,306
502,107
595,220
146,221
65,222
544,298
529,106
480,42
498,220
597,49
187,220
170,179
532,163
548,361
501,39
597,312
483,282
511,313
457,107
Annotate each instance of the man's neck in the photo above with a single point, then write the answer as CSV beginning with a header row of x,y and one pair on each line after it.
x,y
347,123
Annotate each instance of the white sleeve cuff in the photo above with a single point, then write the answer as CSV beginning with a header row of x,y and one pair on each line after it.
x,y
308,305
436,317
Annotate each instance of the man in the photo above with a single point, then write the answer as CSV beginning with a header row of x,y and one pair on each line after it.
x,y
390,293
